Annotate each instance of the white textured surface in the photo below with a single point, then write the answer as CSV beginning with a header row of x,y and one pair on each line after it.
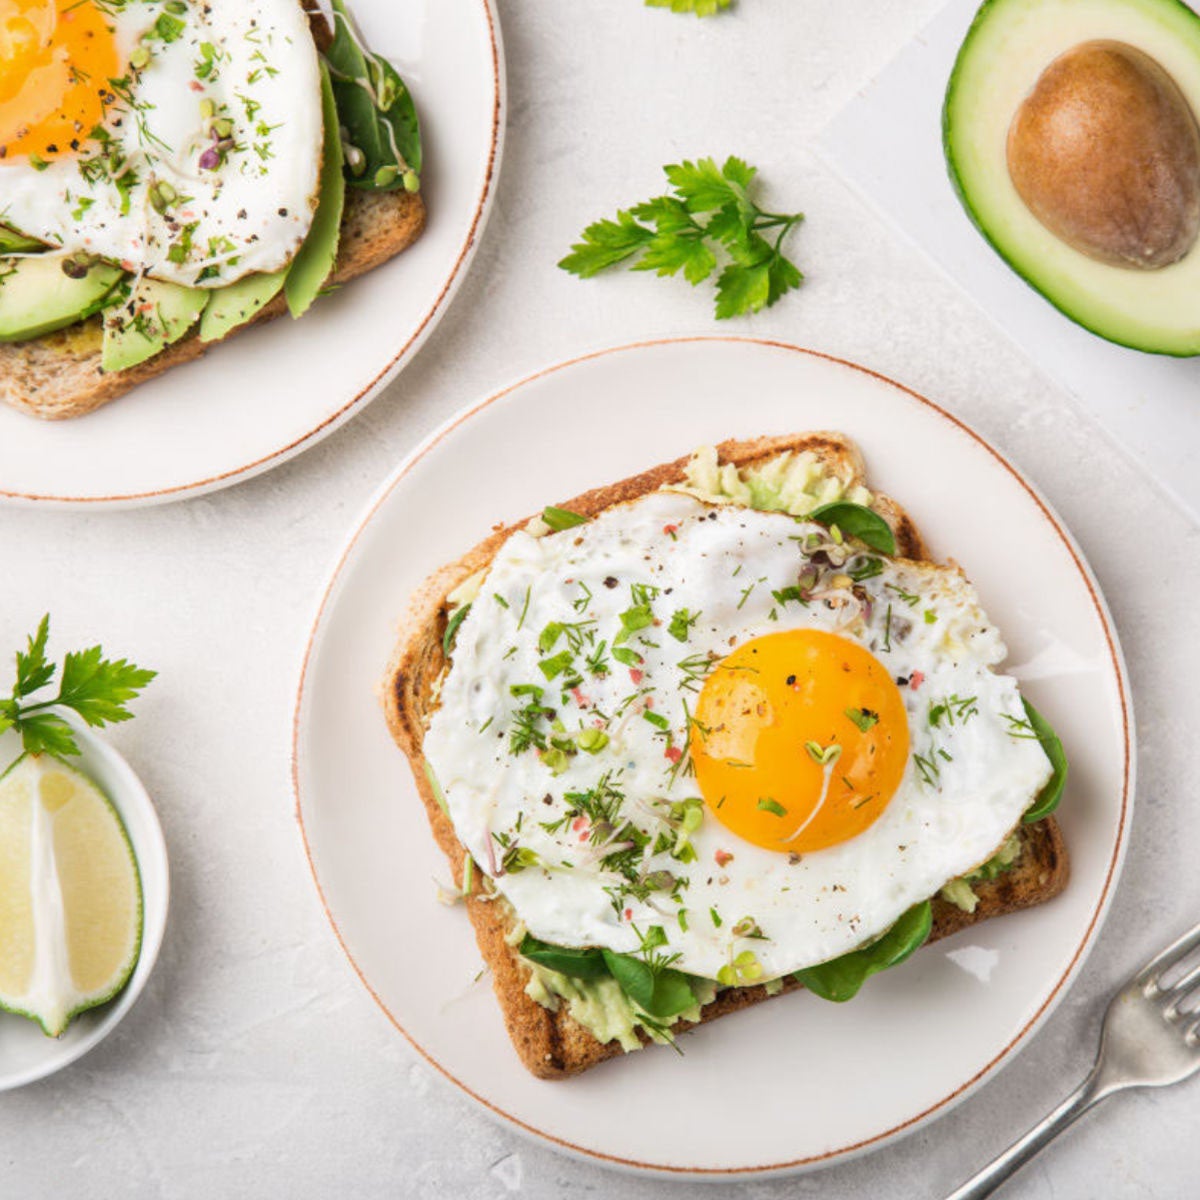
x,y
255,1063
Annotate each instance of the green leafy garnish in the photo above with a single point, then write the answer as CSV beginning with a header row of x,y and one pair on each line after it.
x,y
1048,798
585,963
96,688
859,522
841,978
382,141
701,8
682,621
561,518
457,617
864,718
659,991
709,215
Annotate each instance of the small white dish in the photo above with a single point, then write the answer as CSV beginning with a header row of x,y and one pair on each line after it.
x,y
26,1053
797,1082
264,396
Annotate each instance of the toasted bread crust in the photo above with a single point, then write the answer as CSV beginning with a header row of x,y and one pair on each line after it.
x,y
59,375
552,1045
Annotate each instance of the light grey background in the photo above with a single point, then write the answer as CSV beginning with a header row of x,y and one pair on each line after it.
x,y
256,1064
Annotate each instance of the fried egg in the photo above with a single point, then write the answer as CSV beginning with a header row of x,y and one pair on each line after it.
x,y
727,726
180,139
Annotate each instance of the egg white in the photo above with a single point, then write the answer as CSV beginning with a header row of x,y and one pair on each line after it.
x,y
252,212
723,562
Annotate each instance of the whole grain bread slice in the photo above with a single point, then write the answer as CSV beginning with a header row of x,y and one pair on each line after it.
x,y
552,1044
59,375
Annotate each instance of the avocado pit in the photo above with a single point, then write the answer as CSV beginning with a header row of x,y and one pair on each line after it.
x,y
1105,152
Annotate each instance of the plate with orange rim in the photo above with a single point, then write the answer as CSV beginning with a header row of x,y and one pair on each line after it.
x,y
900,1053
273,391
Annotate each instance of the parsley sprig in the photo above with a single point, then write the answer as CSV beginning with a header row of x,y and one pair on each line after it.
x,y
96,688
702,8
710,216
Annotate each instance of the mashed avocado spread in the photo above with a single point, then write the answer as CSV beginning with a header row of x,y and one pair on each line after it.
x,y
599,1005
790,483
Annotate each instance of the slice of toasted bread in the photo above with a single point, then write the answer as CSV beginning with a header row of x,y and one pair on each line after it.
x,y
59,375
551,1043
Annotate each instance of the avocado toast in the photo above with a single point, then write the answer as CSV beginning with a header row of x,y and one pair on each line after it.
x,y
295,156
559,1028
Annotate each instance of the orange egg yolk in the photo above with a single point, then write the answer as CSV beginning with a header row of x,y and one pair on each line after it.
x,y
56,59
800,739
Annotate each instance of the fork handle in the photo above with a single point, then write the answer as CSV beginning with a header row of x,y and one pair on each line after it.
x,y
1020,1152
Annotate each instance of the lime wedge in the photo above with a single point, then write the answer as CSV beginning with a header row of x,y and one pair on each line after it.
x,y
70,894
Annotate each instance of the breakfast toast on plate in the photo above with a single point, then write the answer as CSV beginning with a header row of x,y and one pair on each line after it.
x,y
244,160
550,1041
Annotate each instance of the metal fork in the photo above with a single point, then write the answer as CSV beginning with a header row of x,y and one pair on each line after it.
x,y
1148,1041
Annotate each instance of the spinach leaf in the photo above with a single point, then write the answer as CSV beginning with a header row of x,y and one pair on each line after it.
x,y
840,978
1051,794
579,963
659,992
858,521
377,110
456,619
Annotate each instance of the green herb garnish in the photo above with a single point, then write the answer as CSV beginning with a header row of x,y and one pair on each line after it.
x,y
96,688
682,621
709,215
456,619
859,522
864,718
700,8
561,518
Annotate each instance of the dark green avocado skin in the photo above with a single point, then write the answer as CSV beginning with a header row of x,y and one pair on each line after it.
x,y
37,297
964,199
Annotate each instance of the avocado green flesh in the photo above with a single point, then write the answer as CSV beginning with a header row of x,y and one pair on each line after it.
x,y
1008,46
37,296
155,315
313,264
234,305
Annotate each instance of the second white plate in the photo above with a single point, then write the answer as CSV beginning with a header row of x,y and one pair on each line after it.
x,y
267,394
798,1081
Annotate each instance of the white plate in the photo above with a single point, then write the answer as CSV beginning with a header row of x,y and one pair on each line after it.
x,y
797,1081
26,1053
271,392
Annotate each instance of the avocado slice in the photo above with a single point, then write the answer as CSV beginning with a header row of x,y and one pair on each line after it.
x,y
315,260
998,80
150,318
37,295
236,303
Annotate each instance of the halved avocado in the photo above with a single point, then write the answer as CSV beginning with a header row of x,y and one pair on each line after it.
x,y
1091,105
37,295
